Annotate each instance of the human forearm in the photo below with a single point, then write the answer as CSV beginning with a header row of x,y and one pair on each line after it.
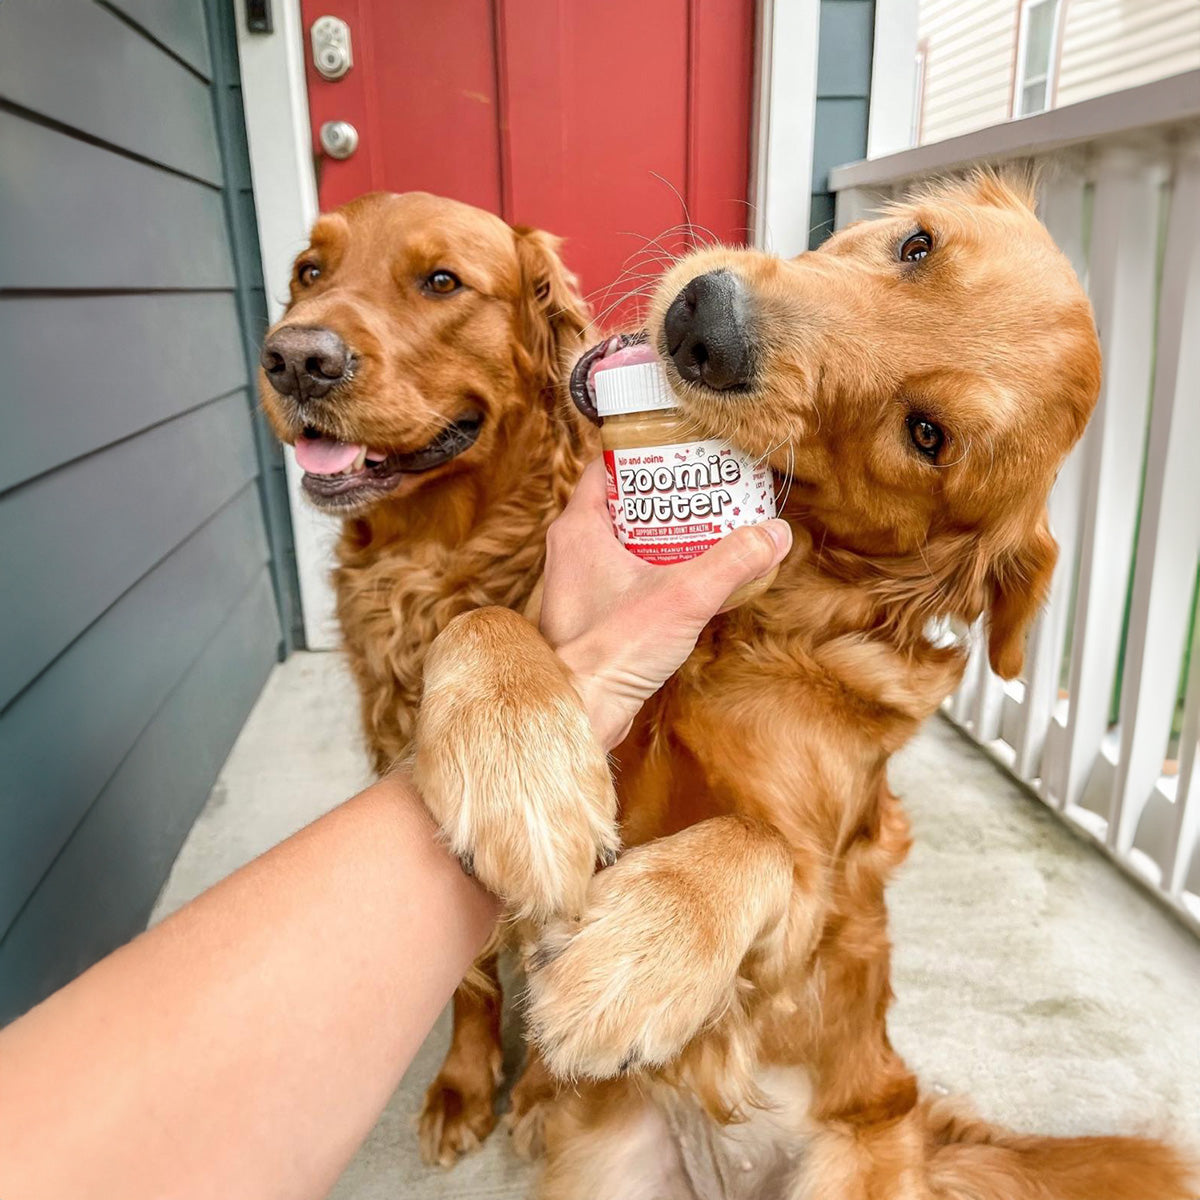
x,y
245,1046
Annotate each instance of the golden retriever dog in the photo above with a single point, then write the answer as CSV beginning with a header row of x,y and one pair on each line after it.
x,y
418,372
717,998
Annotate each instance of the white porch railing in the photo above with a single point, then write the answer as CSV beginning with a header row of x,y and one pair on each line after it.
x,y
1104,724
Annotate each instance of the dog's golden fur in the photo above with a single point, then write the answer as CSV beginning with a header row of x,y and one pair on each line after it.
x,y
725,984
468,533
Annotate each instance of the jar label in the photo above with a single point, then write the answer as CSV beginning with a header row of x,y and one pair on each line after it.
x,y
670,503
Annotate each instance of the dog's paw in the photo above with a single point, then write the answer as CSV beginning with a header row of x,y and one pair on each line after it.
x,y
632,982
532,1096
455,1118
506,762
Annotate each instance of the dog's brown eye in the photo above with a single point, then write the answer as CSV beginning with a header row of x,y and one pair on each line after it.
x,y
916,247
307,274
442,283
927,437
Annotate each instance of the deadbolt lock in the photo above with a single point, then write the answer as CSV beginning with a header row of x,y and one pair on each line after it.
x,y
331,51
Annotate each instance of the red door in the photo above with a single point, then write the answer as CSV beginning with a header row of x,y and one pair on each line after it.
x,y
609,123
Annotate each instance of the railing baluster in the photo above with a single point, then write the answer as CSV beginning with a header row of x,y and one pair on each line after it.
x,y
856,204
1060,205
1061,209
1123,255
1187,792
989,703
962,700
1169,535
1048,638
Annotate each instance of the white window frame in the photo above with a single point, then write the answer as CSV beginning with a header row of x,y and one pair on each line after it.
x,y
1020,80
920,60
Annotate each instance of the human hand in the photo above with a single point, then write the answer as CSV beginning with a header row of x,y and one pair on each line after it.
x,y
623,626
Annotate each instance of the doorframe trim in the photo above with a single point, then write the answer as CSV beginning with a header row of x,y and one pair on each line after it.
x,y
787,37
275,101
895,105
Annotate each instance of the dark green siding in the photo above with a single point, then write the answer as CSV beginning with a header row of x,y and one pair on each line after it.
x,y
847,40
147,582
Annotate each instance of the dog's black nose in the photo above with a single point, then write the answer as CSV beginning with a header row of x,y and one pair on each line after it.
x,y
707,330
304,361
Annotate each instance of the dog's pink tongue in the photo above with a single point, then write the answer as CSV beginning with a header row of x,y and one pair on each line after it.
x,y
641,352
324,456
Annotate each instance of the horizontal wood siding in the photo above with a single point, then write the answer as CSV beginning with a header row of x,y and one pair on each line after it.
x,y
68,350
135,827
968,64
178,26
85,531
139,601
1107,46
1110,45
63,737
76,215
56,59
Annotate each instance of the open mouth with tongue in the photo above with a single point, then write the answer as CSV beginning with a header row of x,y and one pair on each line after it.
x,y
620,350
340,476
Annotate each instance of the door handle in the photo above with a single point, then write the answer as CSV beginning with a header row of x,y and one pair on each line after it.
x,y
339,139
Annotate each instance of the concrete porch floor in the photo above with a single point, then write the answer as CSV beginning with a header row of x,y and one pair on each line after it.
x,y
1030,975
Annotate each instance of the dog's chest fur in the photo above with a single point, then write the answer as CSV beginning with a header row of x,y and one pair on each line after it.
x,y
392,604
698,1159
411,565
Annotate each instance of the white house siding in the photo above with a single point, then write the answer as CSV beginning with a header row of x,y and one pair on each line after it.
x,y
1109,45
968,64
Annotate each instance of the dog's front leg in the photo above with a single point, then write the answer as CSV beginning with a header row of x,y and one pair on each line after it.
x,y
506,762
668,934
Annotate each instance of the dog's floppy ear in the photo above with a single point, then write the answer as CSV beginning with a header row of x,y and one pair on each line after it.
x,y
1018,583
552,314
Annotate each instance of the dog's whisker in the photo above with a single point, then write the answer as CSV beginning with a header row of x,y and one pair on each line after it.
x,y
781,504
652,246
608,288
641,292
624,293
690,227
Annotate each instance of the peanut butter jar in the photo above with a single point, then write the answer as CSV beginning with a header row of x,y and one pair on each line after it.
x,y
671,495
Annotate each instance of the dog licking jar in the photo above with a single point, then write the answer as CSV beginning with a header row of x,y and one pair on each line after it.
x,y
671,495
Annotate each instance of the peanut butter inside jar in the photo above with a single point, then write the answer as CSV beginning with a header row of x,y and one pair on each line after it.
x,y
672,495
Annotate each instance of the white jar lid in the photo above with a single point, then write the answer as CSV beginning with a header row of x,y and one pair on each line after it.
x,y
639,387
